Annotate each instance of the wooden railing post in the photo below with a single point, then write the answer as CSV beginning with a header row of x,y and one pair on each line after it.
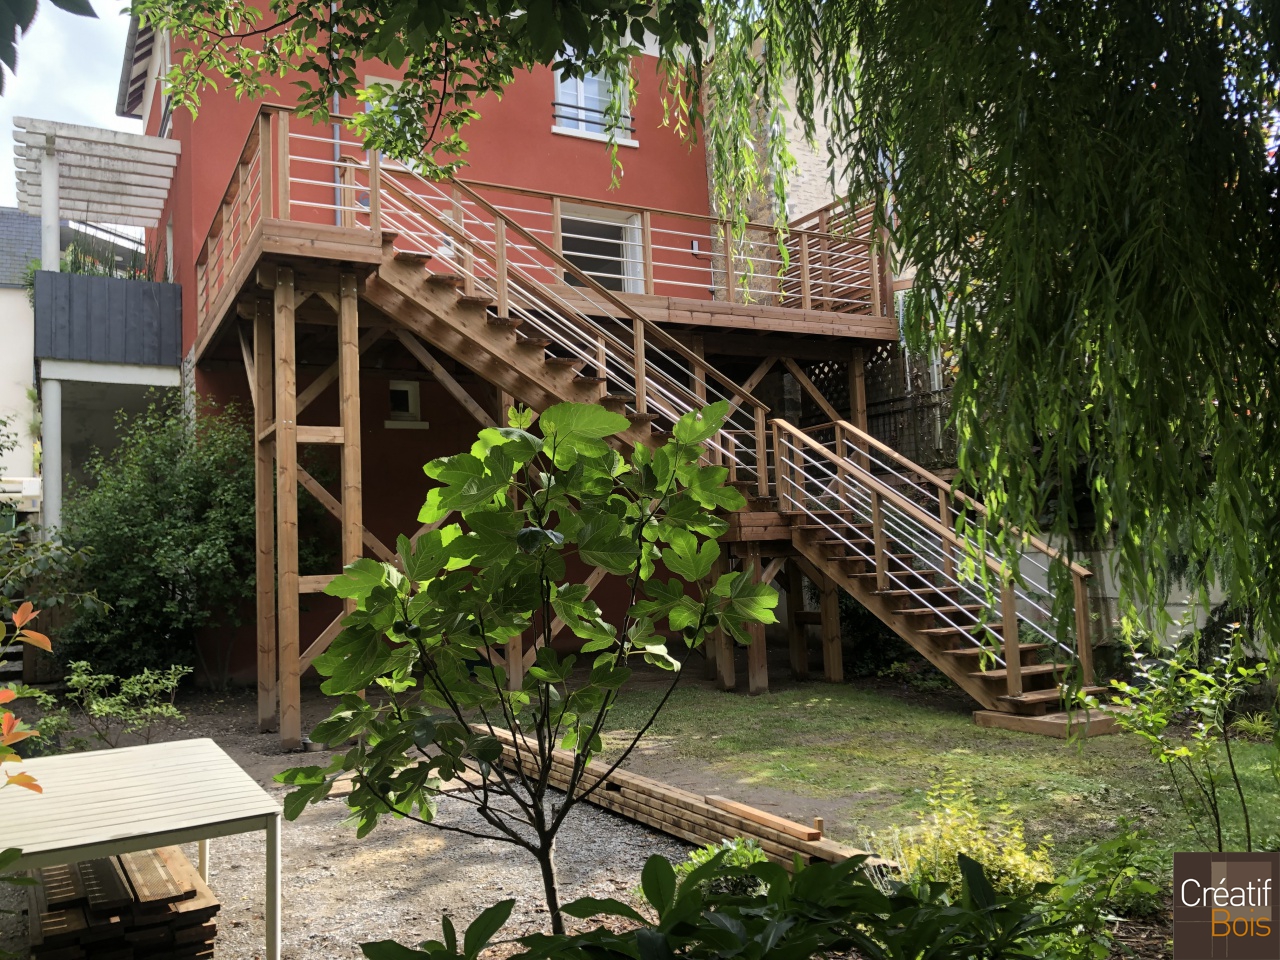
x,y
282,162
730,279
944,515
824,258
266,166
762,454
347,196
782,472
880,540
468,257
375,192
1084,643
642,401
806,286
500,248
1012,653
646,250
873,256
557,238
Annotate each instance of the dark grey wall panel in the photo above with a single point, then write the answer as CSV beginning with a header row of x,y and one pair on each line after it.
x,y
107,320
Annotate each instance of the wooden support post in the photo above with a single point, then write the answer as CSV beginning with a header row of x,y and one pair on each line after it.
x,y
515,662
468,256
1012,655
797,637
349,418
757,653
832,651
1084,643
806,286
724,657
858,388
646,246
500,248
286,439
264,518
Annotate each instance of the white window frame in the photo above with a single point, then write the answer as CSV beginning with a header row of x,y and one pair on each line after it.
x,y
571,93
632,247
412,418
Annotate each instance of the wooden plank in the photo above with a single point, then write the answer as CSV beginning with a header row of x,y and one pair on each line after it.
x,y
288,614
789,827
445,379
315,584
105,887
832,649
330,375
797,639
352,518
321,643
150,878
807,386
318,434
330,503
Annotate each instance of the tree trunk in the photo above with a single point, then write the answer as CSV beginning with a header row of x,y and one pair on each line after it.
x,y
546,861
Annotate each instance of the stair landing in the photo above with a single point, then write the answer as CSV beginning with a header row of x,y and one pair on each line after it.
x,y
1064,724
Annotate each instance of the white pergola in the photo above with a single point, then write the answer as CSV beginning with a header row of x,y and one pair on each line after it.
x,y
70,172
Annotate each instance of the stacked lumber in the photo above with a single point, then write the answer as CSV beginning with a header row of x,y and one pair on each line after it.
x,y
150,905
682,814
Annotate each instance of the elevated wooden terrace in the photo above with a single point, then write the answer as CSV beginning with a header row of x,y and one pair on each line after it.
x,y
302,191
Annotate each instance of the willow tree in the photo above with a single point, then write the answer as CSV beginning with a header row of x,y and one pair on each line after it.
x,y
1084,189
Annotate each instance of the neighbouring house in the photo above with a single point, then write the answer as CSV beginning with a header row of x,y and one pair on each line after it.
x,y
374,320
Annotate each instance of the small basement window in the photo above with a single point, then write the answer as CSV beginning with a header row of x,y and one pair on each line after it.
x,y
405,405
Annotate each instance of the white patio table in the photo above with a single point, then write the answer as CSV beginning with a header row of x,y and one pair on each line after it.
x,y
109,802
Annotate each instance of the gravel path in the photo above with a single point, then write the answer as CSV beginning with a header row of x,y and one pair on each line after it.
x,y
396,882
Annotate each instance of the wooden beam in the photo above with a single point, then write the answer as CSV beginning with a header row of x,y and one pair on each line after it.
x,y
726,675
772,570
315,584
858,388
321,643
287,605
757,654
797,636
320,435
264,520
349,414
246,352
832,652
445,378
330,503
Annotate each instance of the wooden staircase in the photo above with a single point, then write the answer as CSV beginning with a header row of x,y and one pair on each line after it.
x,y
459,274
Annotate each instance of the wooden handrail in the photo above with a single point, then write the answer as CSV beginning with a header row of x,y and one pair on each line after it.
x,y
863,437
885,491
591,283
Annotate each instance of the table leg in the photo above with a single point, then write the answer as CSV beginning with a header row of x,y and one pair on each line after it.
x,y
272,913
204,860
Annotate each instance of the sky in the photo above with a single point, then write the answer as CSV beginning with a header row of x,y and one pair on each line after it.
x,y
68,70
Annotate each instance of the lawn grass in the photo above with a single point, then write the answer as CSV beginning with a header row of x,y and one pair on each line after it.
x,y
876,754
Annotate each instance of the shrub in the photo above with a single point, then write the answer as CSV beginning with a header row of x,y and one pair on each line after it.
x,y
953,825
168,523
738,852
117,709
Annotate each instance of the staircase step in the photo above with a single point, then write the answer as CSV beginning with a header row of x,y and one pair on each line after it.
x,y
925,611
977,651
622,398
946,632
914,593
510,323
412,256
1052,695
568,363
1031,670
642,417
389,236
477,300
446,279
540,342
584,379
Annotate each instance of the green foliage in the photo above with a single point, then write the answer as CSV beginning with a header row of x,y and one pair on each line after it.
x,y
1086,196
1181,711
167,521
1255,726
140,707
1118,878
953,825
823,910
737,852
432,632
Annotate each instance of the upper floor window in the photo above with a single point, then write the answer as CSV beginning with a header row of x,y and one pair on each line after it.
x,y
582,107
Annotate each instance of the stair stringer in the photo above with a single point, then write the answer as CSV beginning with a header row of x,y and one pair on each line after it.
x,y
884,610
435,313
